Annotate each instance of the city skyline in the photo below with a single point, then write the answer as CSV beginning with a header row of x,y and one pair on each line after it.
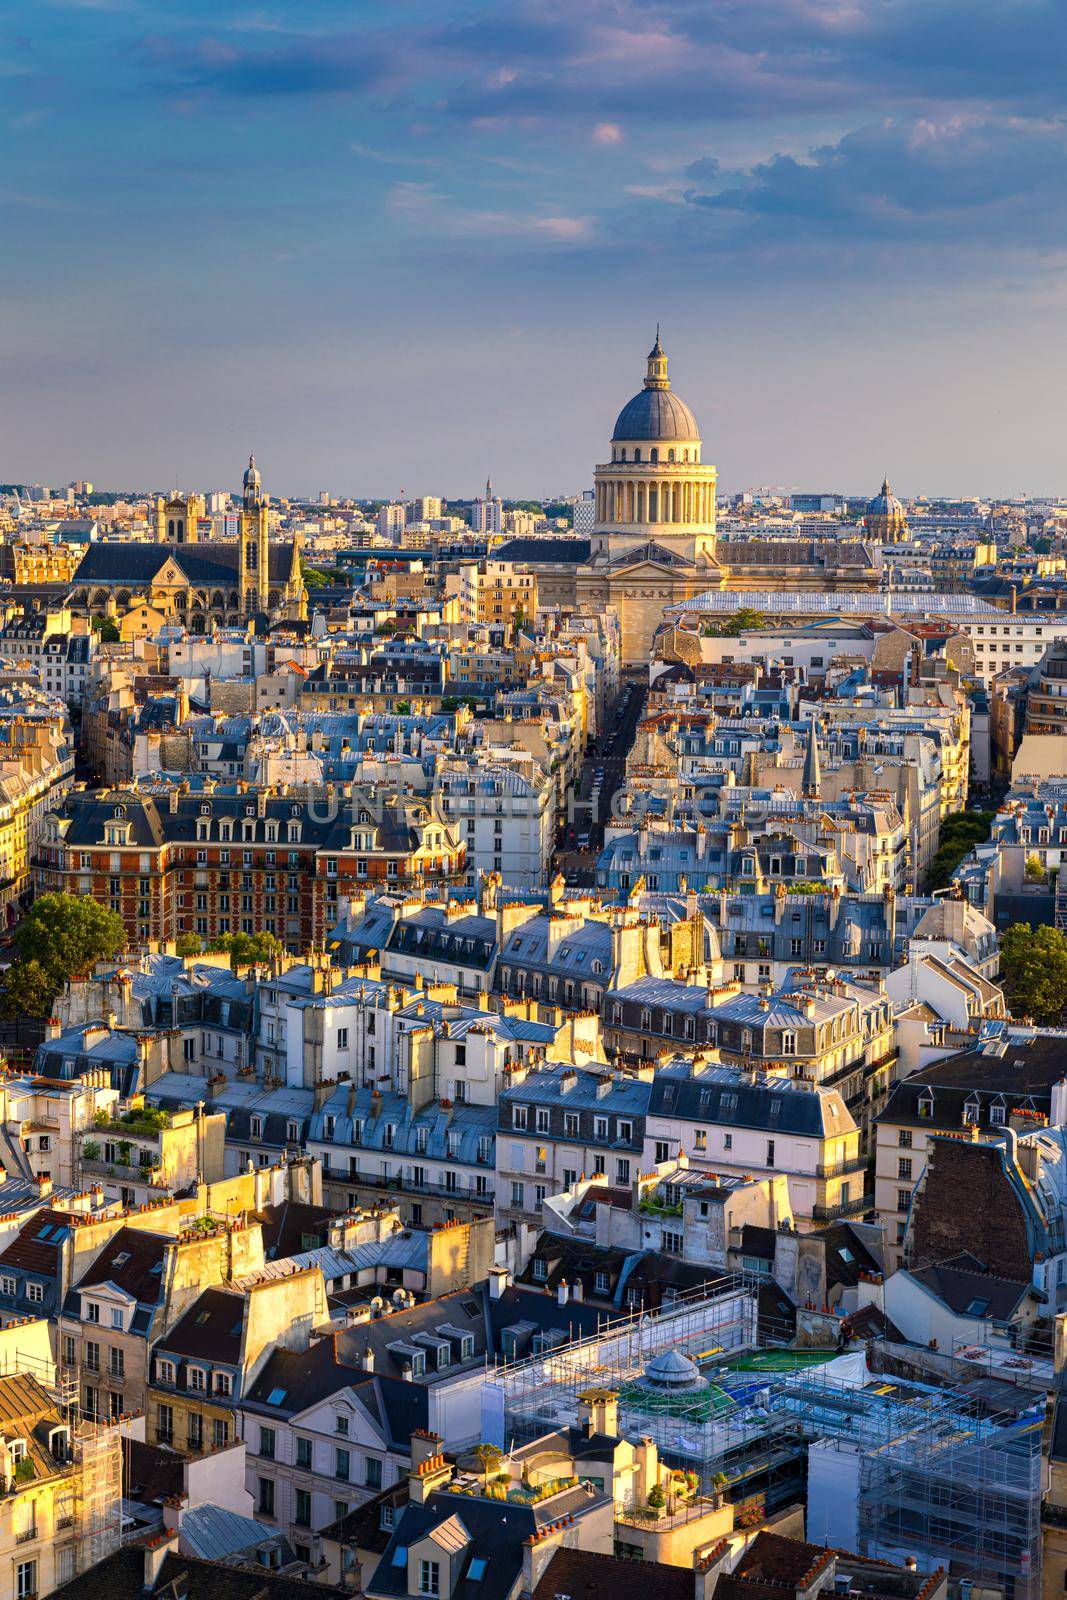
x,y
393,254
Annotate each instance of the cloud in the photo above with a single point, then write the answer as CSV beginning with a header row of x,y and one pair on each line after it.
x,y
608,133
1001,180
425,206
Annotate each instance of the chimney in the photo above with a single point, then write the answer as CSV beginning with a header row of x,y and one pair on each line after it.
x,y
563,1293
368,1359
499,1280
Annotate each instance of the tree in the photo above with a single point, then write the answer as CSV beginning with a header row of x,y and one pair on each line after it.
x,y
66,934
489,1456
959,833
188,944
247,949
1034,870
27,990
107,629
744,620
1033,967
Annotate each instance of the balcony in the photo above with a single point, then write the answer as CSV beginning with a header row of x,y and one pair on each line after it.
x,y
27,1536
847,1208
841,1169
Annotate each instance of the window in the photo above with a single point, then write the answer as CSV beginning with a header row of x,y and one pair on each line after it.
x,y
116,1317
92,1311
165,1372
374,1472
302,1514
265,1497
340,1424
223,1383
518,1196
267,1440
429,1577
663,1151
905,1139
601,1283
196,1431
303,1454
342,1038
622,1171
165,1425
69,1350
26,1580
220,1433
197,1380
342,1465
672,1243
903,1199
770,1152
904,1169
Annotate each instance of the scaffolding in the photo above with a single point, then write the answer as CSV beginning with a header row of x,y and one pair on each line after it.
x,y
890,1468
97,1508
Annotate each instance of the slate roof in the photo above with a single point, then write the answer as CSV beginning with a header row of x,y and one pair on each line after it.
x,y
140,1274
206,562
545,552
962,1283
121,1577
210,1330
724,1095
492,1527
306,1377
586,1575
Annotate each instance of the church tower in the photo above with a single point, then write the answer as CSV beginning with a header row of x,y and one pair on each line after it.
x,y
178,518
253,546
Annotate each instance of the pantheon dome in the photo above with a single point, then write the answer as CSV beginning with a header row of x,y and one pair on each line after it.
x,y
654,412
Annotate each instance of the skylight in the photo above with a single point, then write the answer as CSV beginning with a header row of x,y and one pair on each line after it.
x,y
476,1570
976,1308
276,1397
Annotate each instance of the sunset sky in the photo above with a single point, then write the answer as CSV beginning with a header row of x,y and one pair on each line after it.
x,y
403,245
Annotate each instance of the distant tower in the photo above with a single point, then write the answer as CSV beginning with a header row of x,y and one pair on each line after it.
x,y
253,547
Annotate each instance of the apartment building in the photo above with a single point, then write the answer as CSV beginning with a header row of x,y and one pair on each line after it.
x,y
231,862
560,1123
732,1122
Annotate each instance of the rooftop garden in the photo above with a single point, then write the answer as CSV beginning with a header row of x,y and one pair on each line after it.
x,y
144,1121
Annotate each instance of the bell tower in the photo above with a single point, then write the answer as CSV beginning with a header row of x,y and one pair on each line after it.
x,y
253,545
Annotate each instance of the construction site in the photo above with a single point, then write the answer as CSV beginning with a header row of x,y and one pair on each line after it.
x,y
889,1468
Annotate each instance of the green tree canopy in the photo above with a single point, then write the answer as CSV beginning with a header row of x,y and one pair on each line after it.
x,y
744,620
247,949
188,944
27,991
67,934
1033,969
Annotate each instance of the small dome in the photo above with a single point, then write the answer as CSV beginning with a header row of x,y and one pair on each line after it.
x,y
673,1373
886,504
252,474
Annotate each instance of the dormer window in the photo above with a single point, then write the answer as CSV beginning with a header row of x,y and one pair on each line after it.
x,y
971,1111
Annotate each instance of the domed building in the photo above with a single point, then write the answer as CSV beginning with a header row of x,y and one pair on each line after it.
x,y
653,542
655,496
885,518
670,1372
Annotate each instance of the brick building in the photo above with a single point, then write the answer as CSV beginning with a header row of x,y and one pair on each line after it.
x,y
240,861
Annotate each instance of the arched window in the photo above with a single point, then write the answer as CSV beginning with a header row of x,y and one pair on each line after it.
x,y
637,455
653,455
181,527
170,528
670,455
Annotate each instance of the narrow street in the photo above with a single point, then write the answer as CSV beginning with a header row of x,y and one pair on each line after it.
x,y
604,767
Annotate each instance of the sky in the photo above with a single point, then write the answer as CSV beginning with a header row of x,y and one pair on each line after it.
x,y
398,245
